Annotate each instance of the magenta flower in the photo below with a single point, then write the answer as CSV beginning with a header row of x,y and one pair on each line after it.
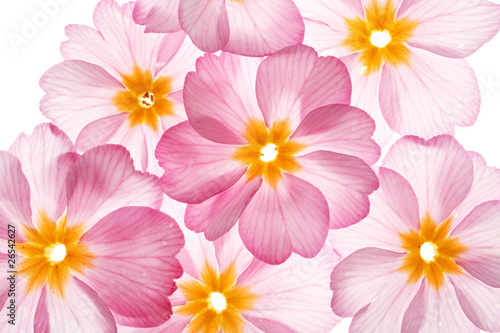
x,y
246,27
408,56
267,143
86,259
427,257
118,84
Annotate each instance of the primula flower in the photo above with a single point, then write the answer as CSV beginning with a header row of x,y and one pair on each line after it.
x,y
85,259
245,27
408,56
267,143
118,84
428,255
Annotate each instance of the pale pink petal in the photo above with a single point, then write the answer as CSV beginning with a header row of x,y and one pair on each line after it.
x,y
176,324
195,168
339,128
76,94
293,217
345,181
219,98
104,179
436,311
294,81
479,232
261,27
439,170
430,96
216,215
157,15
134,267
393,211
479,301
364,275
46,157
206,22
100,131
230,250
81,310
453,29
15,209
196,253
295,295
323,38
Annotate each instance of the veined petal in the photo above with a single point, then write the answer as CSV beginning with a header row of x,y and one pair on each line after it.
x,y
157,15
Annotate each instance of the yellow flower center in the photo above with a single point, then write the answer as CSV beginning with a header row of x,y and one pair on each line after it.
x,y
145,98
51,253
380,37
431,252
268,152
216,302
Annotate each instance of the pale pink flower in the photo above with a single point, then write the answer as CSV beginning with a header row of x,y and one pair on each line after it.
x,y
267,143
427,257
245,27
407,55
86,259
118,84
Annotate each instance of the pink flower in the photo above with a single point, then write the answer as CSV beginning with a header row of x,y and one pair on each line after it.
x,y
427,257
118,84
408,55
86,259
267,143
246,27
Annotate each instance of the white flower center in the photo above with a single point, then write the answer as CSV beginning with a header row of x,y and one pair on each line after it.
x,y
147,100
380,38
428,251
269,153
56,253
218,301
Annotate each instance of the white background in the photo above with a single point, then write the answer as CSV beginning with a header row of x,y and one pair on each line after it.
x,y
26,54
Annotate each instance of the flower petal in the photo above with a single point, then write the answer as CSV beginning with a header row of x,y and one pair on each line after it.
x,y
437,95
453,29
135,246
46,157
439,170
230,250
195,168
294,81
157,15
206,22
219,97
339,128
104,179
345,181
261,27
293,217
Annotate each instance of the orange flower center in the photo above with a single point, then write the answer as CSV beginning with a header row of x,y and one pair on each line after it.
x,y
380,37
145,98
216,302
51,253
431,252
268,152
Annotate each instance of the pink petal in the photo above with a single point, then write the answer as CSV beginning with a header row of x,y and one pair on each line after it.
x,y
219,98
100,131
393,211
294,81
453,29
76,94
157,15
104,179
345,181
81,310
437,95
135,266
322,37
206,22
230,250
439,170
478,301
216,215
46,156
479,232
291,218
176,324
436,311
261,27
195,168
339,128
196,253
